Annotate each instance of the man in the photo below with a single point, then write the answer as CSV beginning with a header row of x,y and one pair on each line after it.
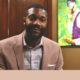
x,y
30,50
73,23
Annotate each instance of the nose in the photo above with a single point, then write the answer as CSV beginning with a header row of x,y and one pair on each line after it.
x,y
37,22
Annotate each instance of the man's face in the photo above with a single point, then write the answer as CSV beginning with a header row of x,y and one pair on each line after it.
x,y
36,23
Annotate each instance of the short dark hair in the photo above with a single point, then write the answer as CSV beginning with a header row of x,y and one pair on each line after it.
x,y
34,6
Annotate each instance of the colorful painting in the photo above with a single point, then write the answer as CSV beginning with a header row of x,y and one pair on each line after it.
x,y
68,22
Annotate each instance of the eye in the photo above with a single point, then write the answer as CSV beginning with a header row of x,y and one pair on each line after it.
x,y
43,19
32,18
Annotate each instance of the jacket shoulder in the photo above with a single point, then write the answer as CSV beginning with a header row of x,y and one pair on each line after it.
x,y
8,41
50,42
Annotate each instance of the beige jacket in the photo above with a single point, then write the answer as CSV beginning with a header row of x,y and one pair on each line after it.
x,y
12,55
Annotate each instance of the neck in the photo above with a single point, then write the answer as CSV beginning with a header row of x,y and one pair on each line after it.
x,y
32,42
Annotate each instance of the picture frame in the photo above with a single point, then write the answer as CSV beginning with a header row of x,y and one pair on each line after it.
x,y
68,22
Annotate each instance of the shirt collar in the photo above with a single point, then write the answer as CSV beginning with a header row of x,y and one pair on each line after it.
x,y
37,46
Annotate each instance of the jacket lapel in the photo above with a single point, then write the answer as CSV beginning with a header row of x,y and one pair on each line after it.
x,y
45,54
18,50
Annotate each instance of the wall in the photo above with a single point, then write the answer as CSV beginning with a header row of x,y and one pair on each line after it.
x,y
71,55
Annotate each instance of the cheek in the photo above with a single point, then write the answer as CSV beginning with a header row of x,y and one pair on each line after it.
x,y
28,21
44,25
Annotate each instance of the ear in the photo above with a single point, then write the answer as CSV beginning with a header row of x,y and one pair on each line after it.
x,y
24,19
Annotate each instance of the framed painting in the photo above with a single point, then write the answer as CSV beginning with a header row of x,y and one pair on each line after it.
x,y
69,22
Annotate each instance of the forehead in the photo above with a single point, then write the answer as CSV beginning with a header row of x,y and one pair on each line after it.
x,y
37,11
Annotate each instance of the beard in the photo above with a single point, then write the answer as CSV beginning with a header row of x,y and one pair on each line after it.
x,y
34,32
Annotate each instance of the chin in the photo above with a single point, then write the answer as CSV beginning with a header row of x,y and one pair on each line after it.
x,y
35,37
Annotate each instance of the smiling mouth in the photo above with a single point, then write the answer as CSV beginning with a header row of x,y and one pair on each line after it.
x,y
36,30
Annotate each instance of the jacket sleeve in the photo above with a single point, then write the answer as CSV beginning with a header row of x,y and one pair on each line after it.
x,y
2,65
59,64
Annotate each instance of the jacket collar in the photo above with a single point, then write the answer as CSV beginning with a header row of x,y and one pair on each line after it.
x,y
45,54
18,50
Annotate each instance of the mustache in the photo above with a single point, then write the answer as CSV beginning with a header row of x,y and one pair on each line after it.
x,y
35,27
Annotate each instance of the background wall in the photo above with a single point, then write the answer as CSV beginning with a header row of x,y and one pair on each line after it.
x,y
71,55
12,16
